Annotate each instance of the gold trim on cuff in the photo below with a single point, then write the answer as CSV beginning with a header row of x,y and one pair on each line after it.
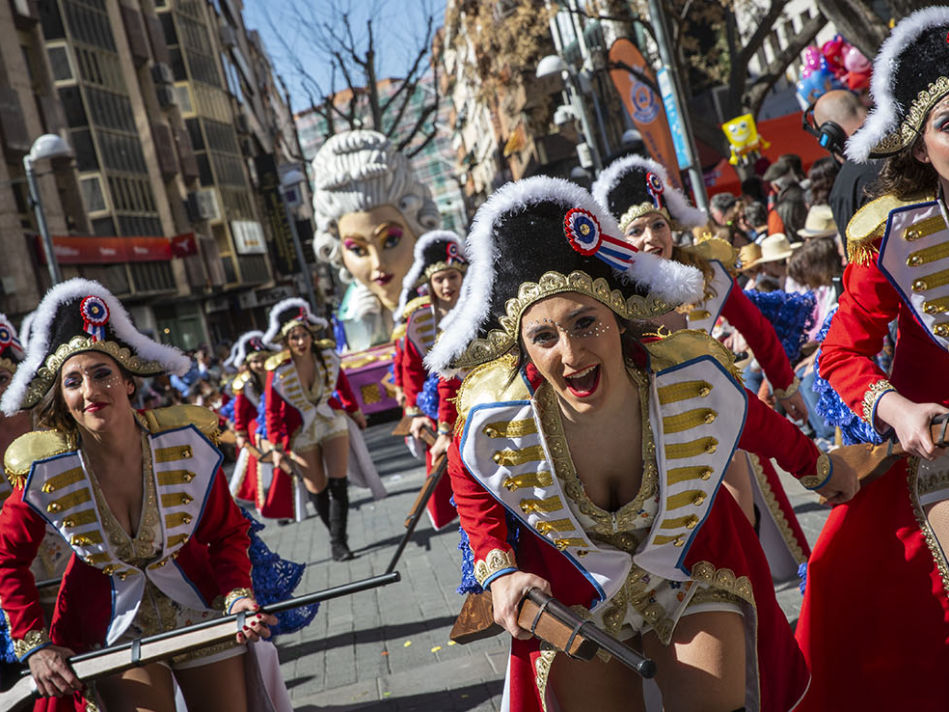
x,y
781,394
30,642
236,595
823,469
872,397
496,560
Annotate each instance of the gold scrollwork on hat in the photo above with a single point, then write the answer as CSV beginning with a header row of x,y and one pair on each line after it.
x,y
499,341
46,374
911,126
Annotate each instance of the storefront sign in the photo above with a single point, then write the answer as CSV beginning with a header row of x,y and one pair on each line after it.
x,y
71,250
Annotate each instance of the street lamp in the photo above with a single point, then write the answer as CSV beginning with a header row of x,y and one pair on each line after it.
x,y
47,146
554,64
292,197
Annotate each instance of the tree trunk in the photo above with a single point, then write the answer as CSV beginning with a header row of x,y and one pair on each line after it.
x,y
858,23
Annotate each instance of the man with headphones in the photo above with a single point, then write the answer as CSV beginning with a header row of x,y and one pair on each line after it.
x,y
832,119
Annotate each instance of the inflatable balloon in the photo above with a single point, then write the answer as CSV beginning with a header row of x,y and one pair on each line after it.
x,y
743,138
818,83
833,51
859,70
812,57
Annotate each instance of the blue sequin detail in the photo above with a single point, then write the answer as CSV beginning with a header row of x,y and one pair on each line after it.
x,y
831,407
791,315
227,410
469,584
262,416
6,642
427,400
274,579
802,574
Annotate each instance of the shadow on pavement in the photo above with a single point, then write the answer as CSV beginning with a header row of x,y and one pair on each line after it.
x,y
373,635
457,700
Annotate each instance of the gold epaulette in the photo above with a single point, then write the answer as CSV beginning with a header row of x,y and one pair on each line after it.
x,y
688,344
867,225
277,360
715,248
489,383
177,416
237,385
398,332
325,344
30,447
415,305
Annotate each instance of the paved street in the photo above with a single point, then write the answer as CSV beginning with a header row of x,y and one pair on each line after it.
x,y
388,649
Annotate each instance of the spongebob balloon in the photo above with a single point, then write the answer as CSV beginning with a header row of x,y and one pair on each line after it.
x,y
743,138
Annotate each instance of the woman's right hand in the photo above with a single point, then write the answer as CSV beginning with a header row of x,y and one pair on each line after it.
x,y
51,672
278,458
911,423
507,592
419,423
240,441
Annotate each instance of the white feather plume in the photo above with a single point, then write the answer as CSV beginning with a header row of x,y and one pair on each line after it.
x,y
676,201
883,118
171,359
418,264
273,326
239,350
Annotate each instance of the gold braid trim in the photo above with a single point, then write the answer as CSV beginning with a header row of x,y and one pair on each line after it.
x,y
496,560
440,266
46,374
872,396
30,642
911,127
542,670
236,595
782,393
9,364
779,519
939,556
500,341
823,467
725,580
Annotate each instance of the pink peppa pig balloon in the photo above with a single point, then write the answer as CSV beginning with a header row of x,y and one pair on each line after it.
x,y
859,69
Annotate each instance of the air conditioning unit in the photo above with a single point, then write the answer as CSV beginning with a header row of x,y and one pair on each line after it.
x,y
162,74
166,96
202,205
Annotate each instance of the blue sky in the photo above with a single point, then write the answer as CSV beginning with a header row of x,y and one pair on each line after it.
x,y
398,27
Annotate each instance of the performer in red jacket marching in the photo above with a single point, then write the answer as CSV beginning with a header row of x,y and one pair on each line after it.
x,y
251,480
438,270
130,493
882,556
305,418
639,195
608,451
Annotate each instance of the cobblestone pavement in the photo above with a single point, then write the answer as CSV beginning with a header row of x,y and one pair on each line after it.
x,y
388,649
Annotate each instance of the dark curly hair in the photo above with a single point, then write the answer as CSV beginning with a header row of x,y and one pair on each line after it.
x,y
903,175
822,175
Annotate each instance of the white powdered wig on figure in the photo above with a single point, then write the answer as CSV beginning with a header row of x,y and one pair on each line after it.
x,y
357,171
669,281
170,358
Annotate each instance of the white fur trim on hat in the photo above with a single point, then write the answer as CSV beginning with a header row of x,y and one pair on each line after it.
x,y
168,356
667,280
239,351
418,265
273,326
882,119
25,327
679,209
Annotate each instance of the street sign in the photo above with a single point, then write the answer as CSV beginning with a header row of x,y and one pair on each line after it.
x,y
673,116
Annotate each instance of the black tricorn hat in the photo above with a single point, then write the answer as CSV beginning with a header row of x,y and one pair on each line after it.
x,y
76,316
910,76
435,251
249,343
633,186
290,313
539,237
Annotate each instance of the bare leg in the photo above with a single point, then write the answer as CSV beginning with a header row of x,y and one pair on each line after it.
x,y
581,686
217,687
336,455
703,668
313,474
938,515
738,483
141,689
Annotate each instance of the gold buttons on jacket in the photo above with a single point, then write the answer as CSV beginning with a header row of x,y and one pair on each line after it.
x,y
699,499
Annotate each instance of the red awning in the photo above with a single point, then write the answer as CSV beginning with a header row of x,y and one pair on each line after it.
x,y
785,136
73,250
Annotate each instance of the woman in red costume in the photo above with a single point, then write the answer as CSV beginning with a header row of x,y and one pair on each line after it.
x,y
75,477
438,268
637,192
875,622
250,481
304,417
608,452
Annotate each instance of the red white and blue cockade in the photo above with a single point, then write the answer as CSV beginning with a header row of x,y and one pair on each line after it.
x,y
582,231
95,315
453,255
655,187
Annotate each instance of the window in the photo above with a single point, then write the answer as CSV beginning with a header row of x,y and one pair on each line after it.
x,y
92,195
71,100
103,227
86,159
59,63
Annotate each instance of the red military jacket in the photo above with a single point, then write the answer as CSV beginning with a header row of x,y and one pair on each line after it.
x,y
501,465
